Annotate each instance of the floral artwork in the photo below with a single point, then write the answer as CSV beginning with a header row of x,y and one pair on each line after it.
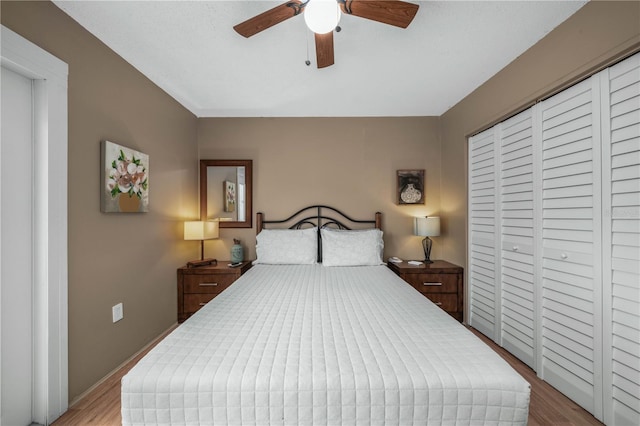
x,y
229,196
410,187
125,179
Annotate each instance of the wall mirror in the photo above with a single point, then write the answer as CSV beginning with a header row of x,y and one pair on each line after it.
x,y
226,192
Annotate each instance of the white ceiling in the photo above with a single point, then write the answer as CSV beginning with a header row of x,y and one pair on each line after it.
x,y
189,49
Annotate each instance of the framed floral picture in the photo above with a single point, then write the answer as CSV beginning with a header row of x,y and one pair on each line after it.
x,y
410,187
229,192
125,179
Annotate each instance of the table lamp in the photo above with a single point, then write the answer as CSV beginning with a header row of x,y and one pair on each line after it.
x,y
428,226
201,230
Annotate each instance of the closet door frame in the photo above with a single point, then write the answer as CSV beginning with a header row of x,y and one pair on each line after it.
x,y
536,117
607,293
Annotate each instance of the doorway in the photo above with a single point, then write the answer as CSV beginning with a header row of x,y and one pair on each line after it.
x,y
33,234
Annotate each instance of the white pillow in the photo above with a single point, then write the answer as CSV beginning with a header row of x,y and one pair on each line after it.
x,y
351,248
287,246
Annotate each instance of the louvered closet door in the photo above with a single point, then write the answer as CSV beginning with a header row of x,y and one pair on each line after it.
x,y
483,234
621,221
570,358
517,235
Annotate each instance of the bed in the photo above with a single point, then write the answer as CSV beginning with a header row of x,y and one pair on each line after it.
x,y
323,343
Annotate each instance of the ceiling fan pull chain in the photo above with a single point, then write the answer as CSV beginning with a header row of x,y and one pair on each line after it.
x,y
306,39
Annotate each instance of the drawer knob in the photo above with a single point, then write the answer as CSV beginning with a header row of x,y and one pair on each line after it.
x,y
515,248
564,255
431,283
202,304
208,284
438,303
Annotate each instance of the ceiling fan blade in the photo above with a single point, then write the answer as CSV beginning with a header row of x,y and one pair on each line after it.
x,y
269,18
392,12
324,49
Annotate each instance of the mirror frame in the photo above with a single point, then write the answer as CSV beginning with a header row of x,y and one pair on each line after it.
x,y
248,165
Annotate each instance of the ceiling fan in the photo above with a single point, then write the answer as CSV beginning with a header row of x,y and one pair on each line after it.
x,y
393,12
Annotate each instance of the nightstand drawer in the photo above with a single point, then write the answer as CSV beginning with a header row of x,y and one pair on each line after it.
x,y
197,286
447,301
213,283
193,302
433,283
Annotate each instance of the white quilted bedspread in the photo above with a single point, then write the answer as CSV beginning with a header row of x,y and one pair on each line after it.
x,y
307,344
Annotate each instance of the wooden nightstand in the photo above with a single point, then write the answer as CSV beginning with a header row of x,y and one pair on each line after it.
x,y
440,281
197,286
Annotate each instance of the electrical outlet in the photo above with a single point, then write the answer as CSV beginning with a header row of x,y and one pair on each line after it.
x,y
117,312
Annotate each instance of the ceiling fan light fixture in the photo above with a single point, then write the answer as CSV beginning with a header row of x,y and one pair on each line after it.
x,y
322,16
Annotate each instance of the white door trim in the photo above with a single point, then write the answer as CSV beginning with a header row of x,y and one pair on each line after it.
x,y
50,74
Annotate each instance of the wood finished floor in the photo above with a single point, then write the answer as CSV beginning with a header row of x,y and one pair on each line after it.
x,y
547,407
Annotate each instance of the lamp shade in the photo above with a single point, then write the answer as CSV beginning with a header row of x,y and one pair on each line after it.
x,y
322,16
428,226
201,230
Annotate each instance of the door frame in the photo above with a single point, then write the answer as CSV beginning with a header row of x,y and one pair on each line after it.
x,y
50,268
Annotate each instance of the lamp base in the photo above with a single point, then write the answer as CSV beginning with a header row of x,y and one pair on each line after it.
x,y
203,262
426,246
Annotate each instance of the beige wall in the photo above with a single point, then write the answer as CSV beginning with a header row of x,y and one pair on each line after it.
x,y
594,36
348,163
129,258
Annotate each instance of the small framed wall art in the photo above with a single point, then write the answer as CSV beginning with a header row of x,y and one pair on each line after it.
x,y
125,179
229,196
410,187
